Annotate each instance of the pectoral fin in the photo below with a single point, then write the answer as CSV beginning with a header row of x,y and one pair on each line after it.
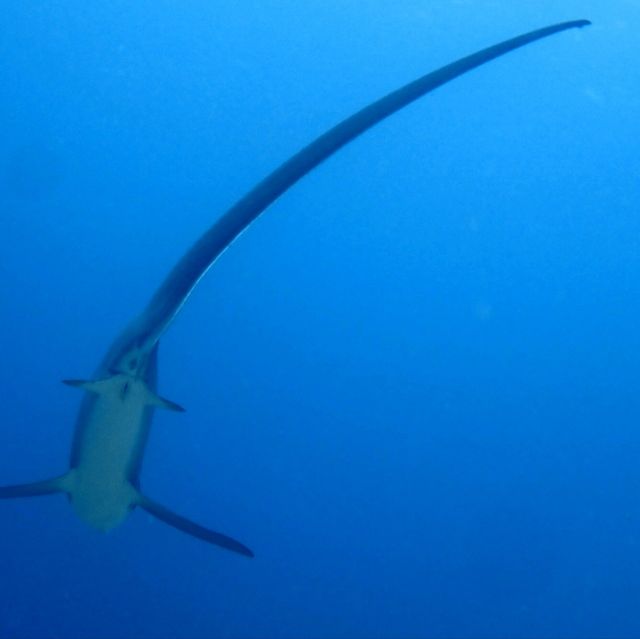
x,y
191,528
60,484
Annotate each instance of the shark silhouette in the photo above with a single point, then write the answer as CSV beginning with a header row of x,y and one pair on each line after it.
x,y
103,480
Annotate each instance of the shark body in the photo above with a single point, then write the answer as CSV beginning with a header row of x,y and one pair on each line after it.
x,y
112,428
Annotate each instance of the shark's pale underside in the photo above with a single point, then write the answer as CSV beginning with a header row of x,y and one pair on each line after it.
x,y
115,415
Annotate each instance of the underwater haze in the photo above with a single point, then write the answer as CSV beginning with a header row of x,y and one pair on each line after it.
x,y
411,386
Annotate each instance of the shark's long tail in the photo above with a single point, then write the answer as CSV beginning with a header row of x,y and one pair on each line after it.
x,y
172,294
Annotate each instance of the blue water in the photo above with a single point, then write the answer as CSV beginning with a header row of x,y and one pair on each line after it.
x,y
412,386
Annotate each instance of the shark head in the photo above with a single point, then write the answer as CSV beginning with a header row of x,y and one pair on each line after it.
x,y
103,509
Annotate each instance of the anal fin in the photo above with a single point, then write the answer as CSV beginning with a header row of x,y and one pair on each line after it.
x,y
191,528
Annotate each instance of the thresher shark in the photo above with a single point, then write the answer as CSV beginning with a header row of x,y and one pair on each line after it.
x,y
103,480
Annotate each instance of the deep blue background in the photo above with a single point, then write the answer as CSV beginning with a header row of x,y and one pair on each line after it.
x,y
412,386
